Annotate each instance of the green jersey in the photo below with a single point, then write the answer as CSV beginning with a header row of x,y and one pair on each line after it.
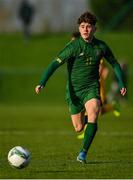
x,y
83,59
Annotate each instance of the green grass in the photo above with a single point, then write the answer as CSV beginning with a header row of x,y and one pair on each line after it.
x,y
42,123
48,134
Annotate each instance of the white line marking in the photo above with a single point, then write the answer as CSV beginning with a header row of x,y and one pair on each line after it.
x,y
5,132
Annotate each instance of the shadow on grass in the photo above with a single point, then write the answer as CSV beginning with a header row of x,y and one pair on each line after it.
x,y
85,165
109,162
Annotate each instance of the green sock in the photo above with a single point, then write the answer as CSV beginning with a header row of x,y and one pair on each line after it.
x,y
89,136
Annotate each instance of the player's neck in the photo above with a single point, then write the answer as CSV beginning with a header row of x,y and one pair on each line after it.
x,y
89,39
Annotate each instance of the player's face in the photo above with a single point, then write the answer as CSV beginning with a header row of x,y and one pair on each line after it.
x,y
86,30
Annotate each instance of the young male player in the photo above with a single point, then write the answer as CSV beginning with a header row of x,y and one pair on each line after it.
x,y
83,57
105,105
103,74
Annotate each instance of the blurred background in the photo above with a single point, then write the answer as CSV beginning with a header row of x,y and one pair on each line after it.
x,y
32,32
61,15
48,15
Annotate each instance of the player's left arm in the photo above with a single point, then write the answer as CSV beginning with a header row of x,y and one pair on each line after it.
x,y
117,69
119,75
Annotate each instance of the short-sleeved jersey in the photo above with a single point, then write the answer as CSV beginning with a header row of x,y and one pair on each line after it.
x,y
83,60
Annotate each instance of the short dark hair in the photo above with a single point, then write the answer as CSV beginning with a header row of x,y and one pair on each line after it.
x,y
87,17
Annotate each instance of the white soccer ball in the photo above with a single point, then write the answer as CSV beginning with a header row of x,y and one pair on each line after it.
x,y
19,157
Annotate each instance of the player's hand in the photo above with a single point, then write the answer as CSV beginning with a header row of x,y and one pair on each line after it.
x,y
123,91
38,89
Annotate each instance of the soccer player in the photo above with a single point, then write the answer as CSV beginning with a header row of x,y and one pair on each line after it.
x,y
103,74
83,57
105,105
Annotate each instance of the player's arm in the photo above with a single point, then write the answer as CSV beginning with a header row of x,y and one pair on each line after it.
x,y
119,75
117,69
62,57
46,75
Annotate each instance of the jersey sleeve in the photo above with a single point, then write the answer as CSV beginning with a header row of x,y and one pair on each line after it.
x,y
62,57
119,75
48,72
66,53
108,55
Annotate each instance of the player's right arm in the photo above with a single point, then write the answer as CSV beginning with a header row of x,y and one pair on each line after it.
x,y
46,75
62,57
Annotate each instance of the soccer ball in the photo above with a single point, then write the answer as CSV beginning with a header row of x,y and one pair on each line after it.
x,y
19,157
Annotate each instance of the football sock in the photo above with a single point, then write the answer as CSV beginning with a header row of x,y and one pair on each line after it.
x,y
89,135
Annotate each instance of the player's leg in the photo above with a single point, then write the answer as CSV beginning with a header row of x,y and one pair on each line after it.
x,y
92,107
77,121
76,110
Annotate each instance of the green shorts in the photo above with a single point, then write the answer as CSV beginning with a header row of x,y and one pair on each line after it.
x,y
77,100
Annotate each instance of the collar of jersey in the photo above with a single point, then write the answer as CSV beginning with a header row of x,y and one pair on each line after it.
x,y
91,43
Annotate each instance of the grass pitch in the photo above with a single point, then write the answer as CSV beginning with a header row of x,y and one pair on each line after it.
x,y
42,123
48,134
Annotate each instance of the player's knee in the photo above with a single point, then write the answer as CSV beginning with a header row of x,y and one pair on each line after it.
x,y
92,117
